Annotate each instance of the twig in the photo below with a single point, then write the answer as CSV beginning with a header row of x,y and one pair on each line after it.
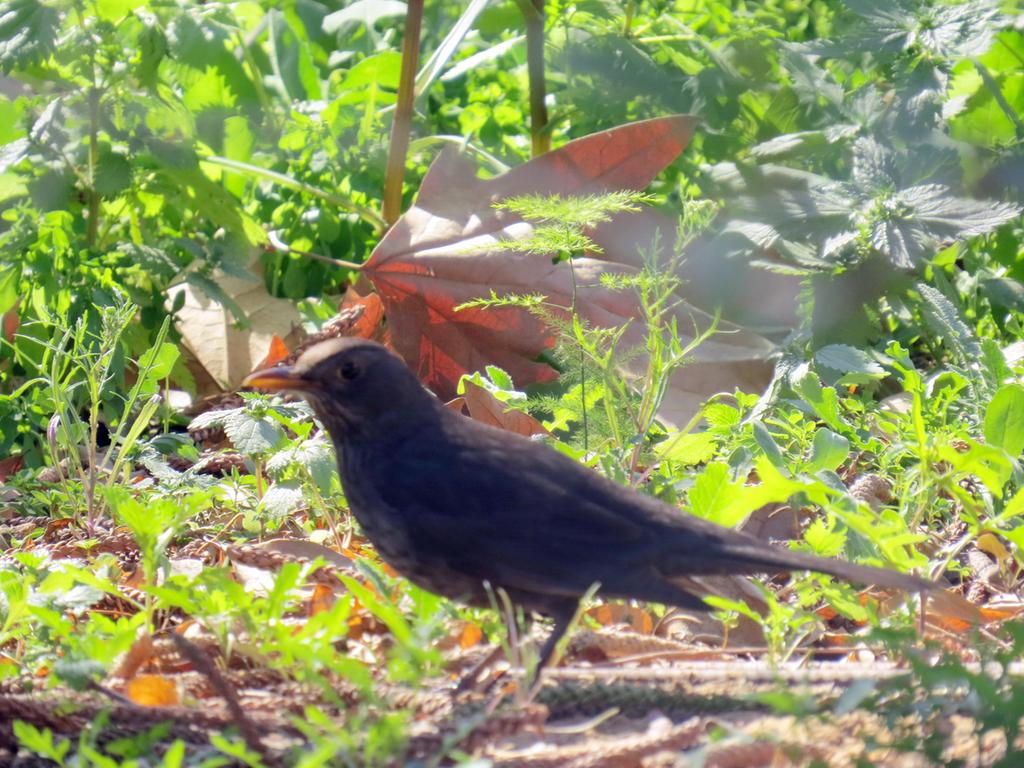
x,y
202,663
277,244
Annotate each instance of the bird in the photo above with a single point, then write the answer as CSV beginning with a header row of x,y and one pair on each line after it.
x,y
463,509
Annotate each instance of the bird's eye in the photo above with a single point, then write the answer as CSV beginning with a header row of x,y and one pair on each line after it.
x,y
349,370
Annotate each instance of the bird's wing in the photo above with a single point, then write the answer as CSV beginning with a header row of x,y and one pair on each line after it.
x,y
523,516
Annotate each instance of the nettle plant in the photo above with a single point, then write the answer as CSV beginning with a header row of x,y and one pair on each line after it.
x,y
871,193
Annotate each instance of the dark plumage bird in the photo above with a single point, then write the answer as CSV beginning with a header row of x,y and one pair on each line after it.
x,y
451,503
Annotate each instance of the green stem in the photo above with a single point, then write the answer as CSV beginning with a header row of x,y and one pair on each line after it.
x,y
279,245
255,76
237,166
997,94
627,23
93,197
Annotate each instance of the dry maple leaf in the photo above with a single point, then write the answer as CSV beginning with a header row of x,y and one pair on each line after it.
x,y
438,256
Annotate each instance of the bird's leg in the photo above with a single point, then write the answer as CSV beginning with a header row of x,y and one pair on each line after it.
x,y
564,616
563,620
469,680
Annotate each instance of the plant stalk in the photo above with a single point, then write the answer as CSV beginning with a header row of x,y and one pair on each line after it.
x,y
533,13
402,124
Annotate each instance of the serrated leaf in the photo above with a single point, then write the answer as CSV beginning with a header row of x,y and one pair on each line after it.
x,y
811,82
918,101
712,491
13,153
500,378
849,360
28,33
153,260
113,174
874,168
824,401
803,143
721,415
250,434
947,31
947,218
994,364
282,498
689,449
1004,419
911,224
944,319
207,419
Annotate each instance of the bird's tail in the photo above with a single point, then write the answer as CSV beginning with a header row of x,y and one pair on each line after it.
x,y
757,557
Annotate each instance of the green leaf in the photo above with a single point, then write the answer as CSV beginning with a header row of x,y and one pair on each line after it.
x,y
721,415
988,463
688,449
1004,419
158,362
712,491
209,89
292,60
889,27
152,47
113,173
282,498
28,33
828,450
381,70
115,10
252,435
8,288
944,318
851,362
40,740
767,443
152,260
500,378
824,401
910,224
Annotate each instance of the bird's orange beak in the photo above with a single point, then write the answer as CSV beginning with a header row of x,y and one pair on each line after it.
x,y
277,379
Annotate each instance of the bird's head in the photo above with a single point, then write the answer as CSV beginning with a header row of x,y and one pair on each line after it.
x,y
354,384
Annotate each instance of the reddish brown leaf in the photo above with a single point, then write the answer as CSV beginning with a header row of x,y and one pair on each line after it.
x,y
464,635
427,264
278,351
485,407
369,324
321,600
10,466
437,257
11,321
